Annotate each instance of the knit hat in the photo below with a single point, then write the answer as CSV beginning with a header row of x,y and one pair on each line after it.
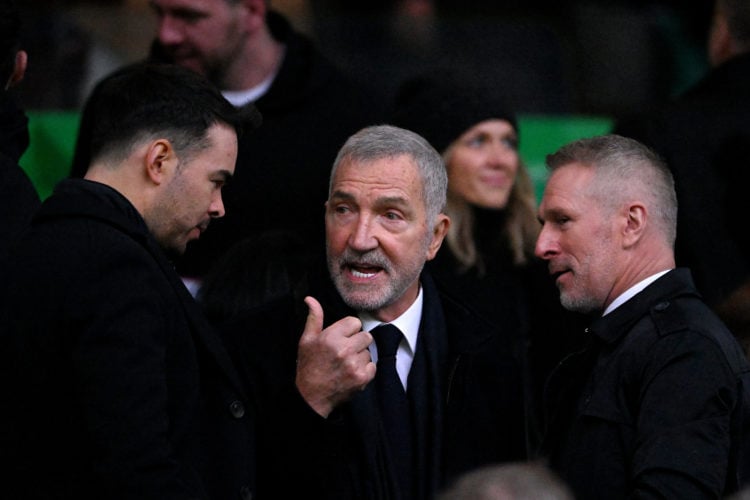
x,y
441,107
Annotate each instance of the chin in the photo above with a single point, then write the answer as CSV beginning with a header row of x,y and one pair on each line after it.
x,y
492,203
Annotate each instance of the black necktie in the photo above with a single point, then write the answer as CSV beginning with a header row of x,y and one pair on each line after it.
x,y
394,405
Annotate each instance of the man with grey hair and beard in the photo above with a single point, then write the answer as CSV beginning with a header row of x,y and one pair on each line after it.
x,y
453,387
653,407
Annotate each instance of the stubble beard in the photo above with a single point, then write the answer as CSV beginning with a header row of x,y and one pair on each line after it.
x,y
362,297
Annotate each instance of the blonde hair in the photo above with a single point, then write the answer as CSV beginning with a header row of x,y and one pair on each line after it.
x,y
520,227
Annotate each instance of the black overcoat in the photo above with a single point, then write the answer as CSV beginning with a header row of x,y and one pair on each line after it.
x,y
657,405
466,386
113,384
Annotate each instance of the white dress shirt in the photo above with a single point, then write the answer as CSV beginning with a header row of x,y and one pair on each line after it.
x,y
632,291
408,323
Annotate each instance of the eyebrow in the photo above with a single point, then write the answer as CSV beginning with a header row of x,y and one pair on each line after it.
x,y
385,200
225,174
341,195
398,201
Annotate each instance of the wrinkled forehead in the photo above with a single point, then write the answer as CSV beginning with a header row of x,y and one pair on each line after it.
x,y
395,171
393,180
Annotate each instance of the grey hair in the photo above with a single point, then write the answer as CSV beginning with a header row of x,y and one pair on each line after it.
x,y
509,481
625,169
386,141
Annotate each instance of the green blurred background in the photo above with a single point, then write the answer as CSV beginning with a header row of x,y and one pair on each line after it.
x,y
53,136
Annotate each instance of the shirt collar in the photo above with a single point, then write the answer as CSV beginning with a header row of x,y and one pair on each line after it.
x,y
239,98
408,322
632,291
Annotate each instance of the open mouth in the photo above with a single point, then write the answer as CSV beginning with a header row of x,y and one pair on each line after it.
x,y
363,271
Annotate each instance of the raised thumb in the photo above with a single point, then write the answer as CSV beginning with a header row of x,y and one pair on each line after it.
x,y
314,322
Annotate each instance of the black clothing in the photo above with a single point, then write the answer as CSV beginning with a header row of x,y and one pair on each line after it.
x,y
656,405
705,139
520,301
465,393
113,384
17,194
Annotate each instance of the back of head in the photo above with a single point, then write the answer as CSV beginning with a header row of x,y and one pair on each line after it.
x,y
145,99
625,170
385,141
10,38
440,106
511,481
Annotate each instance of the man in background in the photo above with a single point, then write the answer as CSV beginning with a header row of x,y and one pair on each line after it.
x,y
253,55
704,137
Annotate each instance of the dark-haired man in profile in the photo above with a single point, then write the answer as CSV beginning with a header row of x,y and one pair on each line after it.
x,y
114,385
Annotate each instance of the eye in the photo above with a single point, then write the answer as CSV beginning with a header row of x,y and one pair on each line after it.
x,y
191,17
476,141
218,182
341,209
510,143
391,215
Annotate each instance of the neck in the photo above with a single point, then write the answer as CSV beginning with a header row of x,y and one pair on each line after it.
x,y
117,178
259,60
639,267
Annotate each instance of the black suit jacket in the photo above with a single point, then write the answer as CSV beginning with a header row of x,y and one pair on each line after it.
x,y
113,384
465,385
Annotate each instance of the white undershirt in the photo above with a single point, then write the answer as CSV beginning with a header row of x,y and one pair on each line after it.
x,y
408,323
632,291
239,98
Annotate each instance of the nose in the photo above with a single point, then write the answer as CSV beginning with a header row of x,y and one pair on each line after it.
x,y
502,155
216,209
362,237
545,245
169,31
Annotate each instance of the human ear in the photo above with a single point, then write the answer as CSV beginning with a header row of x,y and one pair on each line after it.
x,y
19,69
160,161
439,230
635,224
254,13
720,43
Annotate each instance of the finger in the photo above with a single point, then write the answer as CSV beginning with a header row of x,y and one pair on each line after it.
x,y
369,373
314,322
361,340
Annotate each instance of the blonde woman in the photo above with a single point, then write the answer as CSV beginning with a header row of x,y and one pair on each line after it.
x,y
487,259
